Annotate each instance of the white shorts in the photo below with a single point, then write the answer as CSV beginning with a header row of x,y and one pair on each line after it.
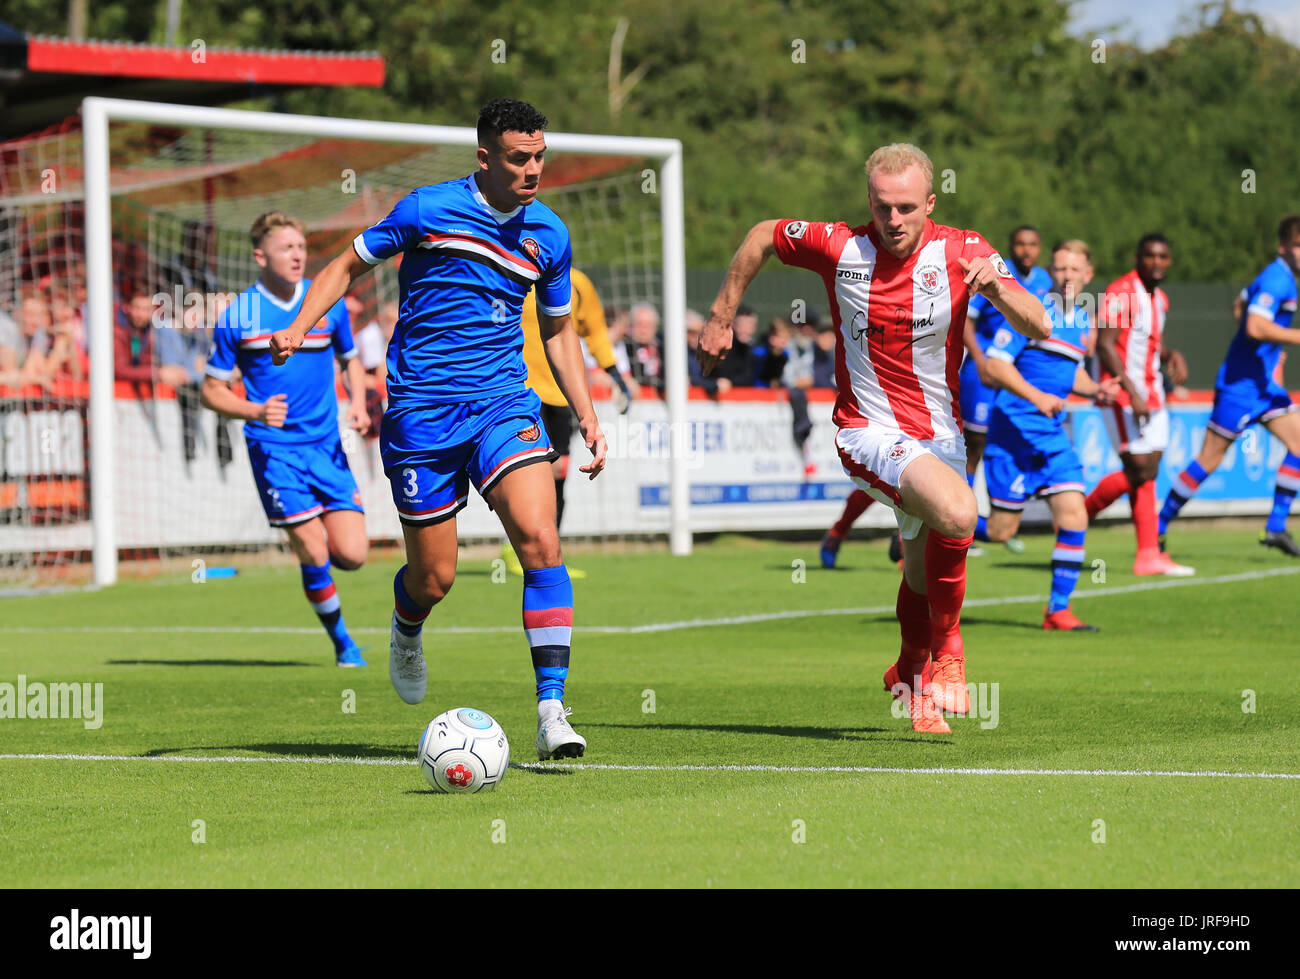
x,y
1127,436
875,457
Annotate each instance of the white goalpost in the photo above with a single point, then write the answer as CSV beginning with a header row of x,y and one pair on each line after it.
x,y
107,436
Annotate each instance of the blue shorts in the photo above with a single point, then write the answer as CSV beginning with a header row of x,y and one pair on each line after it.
x,y
1014,475
299,481
431,455
1238,406
976,399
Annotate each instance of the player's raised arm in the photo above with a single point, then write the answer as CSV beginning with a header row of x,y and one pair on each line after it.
x,y
331,285
564,354
715,339
1021,308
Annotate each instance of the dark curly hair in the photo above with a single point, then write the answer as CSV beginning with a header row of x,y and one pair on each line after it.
x,y
507,116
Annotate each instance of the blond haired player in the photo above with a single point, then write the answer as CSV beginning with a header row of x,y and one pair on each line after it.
x,y
898,289
291,417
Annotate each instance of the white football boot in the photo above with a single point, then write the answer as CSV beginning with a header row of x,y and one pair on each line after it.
x,y
406,665
556,738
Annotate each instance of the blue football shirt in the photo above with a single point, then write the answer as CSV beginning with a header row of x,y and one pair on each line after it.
x,y
1273,296
1049,365
465,272
988,319
242,338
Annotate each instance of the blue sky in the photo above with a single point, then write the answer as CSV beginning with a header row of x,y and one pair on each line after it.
x,y
1152,22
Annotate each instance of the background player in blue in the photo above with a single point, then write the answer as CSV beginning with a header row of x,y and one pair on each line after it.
x,y
458,410
1029,453
1246,390
291,418
983,321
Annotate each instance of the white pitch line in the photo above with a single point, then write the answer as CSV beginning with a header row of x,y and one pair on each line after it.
x,y
582,767
650,627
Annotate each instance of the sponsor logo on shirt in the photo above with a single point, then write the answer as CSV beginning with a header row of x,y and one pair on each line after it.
x,y
1002,339
1264,299
796,229
531,247
1000,266
853,274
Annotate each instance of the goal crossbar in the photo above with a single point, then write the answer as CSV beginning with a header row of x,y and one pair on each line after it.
x,y
96,115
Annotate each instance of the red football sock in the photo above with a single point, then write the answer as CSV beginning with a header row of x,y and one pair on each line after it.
x,y
1111,488
857,502
914,622
1143,501
945,581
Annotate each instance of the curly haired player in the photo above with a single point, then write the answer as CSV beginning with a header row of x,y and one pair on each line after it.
x,y
458,409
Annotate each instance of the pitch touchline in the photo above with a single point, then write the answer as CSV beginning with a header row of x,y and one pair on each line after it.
x,y
582,767
664,626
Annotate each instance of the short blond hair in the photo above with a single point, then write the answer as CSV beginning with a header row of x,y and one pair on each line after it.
x,y
264,224
1075,245
897,157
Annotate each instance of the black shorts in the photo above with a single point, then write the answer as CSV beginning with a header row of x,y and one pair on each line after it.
x,y
558,420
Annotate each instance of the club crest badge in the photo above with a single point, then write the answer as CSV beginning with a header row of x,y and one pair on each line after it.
x,y
930,279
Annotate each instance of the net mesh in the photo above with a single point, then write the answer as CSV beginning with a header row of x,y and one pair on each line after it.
x,y
183,200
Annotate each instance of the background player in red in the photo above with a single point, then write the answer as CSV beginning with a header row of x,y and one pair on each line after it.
x,y
1130,346
898,290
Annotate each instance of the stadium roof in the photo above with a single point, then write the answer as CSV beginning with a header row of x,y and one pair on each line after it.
x,y
43,79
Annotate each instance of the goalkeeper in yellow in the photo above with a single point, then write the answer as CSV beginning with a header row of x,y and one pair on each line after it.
x,y
589,320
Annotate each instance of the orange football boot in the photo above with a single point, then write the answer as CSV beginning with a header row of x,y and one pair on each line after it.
x,y
1065,621
948,684
892,682
927,717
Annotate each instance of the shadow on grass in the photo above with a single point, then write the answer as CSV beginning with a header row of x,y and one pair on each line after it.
x,y
1044,565
1013,623
780,730
323,750
207,662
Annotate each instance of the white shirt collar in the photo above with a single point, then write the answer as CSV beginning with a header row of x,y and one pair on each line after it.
x,y
286,306
501,216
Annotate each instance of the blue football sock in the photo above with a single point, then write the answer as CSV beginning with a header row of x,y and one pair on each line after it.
x,y
407,612
1288,481
1067,563
548,624
1182,489
982,528
319,588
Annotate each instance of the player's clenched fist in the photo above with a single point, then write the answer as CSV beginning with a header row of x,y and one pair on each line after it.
x,y
273,411
715,341
283,345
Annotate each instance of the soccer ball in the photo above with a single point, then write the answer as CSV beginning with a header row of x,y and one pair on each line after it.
x,y
463,750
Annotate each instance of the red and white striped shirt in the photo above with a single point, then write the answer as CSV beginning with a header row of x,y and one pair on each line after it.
x,y
1139,316
899,322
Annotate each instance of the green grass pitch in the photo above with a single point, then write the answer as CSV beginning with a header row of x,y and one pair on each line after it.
x,y
239,668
